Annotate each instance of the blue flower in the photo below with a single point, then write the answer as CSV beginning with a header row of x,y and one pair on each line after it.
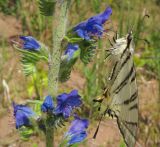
x,y
93,26
48,104
77,132
77,138
71,48
30,43
66,103
22,113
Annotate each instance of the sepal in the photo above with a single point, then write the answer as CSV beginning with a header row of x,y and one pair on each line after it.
x,y
87,51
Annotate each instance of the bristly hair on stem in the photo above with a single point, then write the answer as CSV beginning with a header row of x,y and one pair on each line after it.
x,y
59,28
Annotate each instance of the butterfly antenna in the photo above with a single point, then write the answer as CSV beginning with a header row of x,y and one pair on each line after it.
x,y
116,37
110,42
95,134
146,15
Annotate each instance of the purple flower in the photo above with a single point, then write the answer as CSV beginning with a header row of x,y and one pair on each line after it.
x,y
93,26
71,48
66,103
22,113
48,104
30,43
77,132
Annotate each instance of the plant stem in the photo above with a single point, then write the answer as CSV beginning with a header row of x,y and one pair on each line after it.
x,y
49,137
49,132
59,27
36,86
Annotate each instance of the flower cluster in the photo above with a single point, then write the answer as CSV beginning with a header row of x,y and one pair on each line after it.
x,y
65,105
86,31
93,26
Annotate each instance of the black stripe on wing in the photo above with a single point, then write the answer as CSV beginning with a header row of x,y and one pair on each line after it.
x,y
120,64
113,71
133,77
124,82
124,52
135,106
132,123
131,99
128,131
125,60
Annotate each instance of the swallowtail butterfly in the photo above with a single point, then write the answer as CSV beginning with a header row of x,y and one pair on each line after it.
x,y
121,89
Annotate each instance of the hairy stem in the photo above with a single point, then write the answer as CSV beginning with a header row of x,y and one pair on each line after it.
x,y
49,132
49,137
59,27
36,87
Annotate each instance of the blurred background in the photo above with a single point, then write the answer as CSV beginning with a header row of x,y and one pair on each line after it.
x,y
19,17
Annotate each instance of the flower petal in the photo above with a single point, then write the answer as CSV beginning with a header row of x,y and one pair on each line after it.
x,y
22,113
48,104
67,102
106,14
67,111
74,99
21,119
78,125
71,48
30,43
93,26
80,33
77,131
77,138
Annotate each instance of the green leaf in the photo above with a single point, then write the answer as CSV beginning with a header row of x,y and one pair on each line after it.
x,y
28,68
29,59
47,7
25,132
122,143
87,51
37,105
73,39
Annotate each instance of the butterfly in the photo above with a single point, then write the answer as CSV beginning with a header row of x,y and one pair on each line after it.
x,y
121,88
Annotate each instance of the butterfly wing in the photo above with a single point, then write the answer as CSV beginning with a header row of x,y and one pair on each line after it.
x,y
123,91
